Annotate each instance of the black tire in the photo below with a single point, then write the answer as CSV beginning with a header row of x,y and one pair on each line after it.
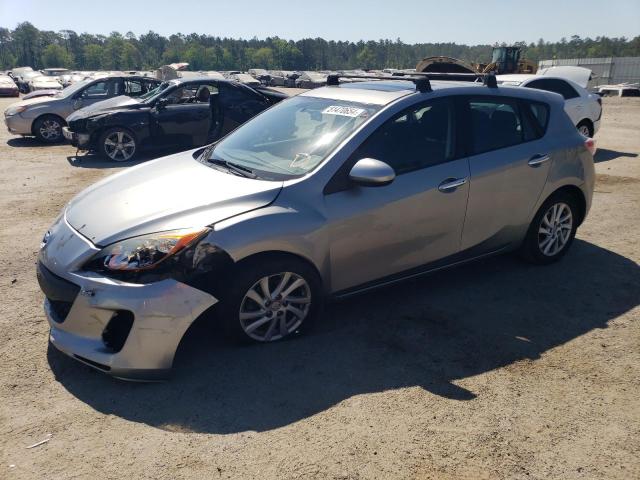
x,y
531,249
107,150
48,129
247,275
585,126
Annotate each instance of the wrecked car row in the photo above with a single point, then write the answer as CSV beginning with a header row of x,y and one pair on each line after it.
x,y
121,116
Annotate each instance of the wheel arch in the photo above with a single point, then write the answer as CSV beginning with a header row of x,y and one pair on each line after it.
x,y
588,122
39,117
577,194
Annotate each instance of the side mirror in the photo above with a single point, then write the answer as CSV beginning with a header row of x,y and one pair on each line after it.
x,y
162,103
370,172
77,103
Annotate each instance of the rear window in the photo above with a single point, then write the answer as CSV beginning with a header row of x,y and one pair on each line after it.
x,y
556,86
494,124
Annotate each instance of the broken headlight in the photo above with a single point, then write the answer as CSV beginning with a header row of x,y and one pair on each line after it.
x,y
143,253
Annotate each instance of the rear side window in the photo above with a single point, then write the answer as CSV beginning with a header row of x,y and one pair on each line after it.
x,y
556,86
495,123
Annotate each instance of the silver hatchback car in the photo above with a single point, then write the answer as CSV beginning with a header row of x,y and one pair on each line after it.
x,y
336,191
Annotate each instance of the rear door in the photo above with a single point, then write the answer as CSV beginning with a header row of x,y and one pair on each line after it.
x,y
376,232
186,119
509,162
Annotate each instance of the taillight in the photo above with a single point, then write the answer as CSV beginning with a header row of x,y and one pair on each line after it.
x,y
590,143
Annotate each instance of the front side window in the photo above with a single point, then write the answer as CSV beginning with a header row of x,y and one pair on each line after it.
x,y
191,93
495,123
293,137
419,137
98,90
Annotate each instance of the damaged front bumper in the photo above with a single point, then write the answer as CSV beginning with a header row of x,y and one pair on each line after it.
x,y
80,140
130,331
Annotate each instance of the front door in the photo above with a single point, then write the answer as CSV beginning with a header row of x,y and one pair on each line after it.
x,y
378,232
185,120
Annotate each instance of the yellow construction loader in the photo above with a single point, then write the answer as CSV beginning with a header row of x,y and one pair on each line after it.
x,y
503,60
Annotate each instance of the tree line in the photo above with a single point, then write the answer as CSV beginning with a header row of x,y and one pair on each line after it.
x,y
28,46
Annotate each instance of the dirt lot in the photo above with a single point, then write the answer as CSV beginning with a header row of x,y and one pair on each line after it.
x,y
493,370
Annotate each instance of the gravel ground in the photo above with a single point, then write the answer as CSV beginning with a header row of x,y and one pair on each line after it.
x,y
489,371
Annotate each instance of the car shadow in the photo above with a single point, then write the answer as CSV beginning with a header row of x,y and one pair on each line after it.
x,y
604,155
32,142
427,333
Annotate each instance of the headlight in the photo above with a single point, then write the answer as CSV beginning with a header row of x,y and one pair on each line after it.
x,y
145,252
15,110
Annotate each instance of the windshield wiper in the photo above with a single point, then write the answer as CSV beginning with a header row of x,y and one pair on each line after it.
x,y
234,167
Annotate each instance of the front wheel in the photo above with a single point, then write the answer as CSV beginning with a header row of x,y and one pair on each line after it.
x,y
552,230
271,300
48,129
118,144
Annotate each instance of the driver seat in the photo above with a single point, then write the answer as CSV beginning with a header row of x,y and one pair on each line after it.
x,y
203,94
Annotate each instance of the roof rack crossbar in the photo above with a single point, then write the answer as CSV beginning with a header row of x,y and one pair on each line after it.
x,y
422,84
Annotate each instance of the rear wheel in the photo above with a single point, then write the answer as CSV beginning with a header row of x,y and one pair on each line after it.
x,y
271,300
118,144
585,128
552,230
48,129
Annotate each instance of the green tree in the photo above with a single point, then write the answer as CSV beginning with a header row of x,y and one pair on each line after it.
x,y
56,56
92,55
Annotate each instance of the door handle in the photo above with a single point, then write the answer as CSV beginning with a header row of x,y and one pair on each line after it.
x,y
450,184
538,159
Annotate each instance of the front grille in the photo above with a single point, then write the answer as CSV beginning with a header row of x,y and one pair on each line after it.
x,y
59,292
60,310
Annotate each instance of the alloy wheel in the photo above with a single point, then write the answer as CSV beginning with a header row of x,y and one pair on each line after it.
x,y
119,146
555,229
50,130
275,306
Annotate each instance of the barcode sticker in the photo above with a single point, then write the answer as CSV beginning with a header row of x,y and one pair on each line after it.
x,y
344,111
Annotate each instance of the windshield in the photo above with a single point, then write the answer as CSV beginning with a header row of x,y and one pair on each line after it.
x,y
291,138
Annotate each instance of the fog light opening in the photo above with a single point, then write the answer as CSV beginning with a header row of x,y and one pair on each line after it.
x,y
117,330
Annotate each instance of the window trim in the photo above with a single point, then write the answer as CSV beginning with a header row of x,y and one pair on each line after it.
x,y
502,99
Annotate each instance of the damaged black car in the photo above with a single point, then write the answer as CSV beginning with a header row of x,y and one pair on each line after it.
x,y
179,113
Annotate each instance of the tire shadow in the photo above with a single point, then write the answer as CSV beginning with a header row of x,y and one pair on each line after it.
x,y
427,333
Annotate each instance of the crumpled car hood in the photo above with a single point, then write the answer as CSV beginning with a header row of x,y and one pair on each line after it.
x,y
112,103
170,193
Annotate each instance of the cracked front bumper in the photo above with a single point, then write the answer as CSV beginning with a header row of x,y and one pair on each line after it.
x,y
161,311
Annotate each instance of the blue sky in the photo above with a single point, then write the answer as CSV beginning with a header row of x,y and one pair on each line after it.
x,y
462,21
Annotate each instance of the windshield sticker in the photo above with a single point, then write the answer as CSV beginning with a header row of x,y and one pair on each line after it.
x,y
344,111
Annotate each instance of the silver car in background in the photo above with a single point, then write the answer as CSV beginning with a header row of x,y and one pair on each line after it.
x,y
44,117
333,192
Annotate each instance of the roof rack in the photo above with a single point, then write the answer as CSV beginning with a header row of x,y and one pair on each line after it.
x,y
422,83
422,79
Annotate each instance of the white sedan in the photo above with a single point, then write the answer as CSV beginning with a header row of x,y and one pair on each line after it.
x,y
584,108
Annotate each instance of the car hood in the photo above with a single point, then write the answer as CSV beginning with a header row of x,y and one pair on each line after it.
x,y
98,107
170,193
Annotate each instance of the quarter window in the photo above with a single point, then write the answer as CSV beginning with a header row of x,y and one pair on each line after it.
x,y
416,138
